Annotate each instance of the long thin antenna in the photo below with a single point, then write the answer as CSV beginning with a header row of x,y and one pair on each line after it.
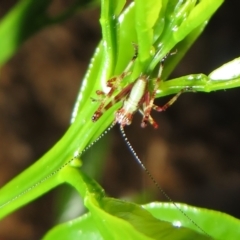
x,y
136,157
59,169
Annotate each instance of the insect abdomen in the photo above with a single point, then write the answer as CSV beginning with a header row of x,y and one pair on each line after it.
x,y
136,94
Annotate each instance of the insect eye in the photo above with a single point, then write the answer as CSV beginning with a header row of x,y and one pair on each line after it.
x,y
95,117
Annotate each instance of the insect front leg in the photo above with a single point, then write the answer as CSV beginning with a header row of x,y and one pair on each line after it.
x,y
107,99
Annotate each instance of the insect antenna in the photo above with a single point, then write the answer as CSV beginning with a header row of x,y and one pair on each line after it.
x,y
136,157
92,143
59,169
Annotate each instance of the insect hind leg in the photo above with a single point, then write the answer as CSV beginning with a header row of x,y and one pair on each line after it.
x,y
172,100
148,103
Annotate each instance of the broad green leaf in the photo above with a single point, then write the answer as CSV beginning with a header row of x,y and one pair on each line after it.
x,y
145,223
218,225
116,219
83,228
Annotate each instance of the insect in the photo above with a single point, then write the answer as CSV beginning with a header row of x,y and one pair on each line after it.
x,y
136,96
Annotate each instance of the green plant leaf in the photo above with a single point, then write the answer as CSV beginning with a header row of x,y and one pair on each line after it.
x,y
80,228
218,225
225,77
112,218
181,19
146,15
145,223
115,219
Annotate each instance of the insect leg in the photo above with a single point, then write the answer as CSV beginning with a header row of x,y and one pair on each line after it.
x,y
172,100
113,83
150,120
148,104
150,97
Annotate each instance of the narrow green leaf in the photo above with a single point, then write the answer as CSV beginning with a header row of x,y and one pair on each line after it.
x,y
198,15
146,15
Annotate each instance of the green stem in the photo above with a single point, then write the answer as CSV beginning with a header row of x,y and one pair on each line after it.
x,y
43,175
198,82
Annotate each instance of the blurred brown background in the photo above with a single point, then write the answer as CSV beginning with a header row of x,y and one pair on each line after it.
x,y
194,154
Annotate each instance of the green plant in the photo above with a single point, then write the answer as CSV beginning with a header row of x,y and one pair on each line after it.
x,y
159,27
